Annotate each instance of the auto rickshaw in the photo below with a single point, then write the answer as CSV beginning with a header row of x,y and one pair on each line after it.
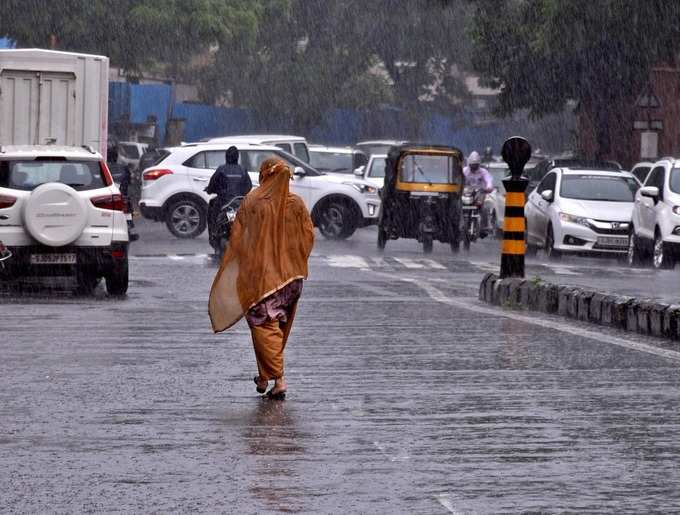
x,y
421,198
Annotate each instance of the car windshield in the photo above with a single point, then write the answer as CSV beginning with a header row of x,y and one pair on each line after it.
x,y
334,162
599,188
129,151
28,175
378,168
433,169
257,157
674,183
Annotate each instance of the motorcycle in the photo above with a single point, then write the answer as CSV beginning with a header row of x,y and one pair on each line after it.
x,y
223,222
473,202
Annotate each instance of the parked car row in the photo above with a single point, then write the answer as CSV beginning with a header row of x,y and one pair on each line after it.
x,y
173,188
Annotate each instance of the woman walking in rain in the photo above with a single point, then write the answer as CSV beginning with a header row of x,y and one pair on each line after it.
x,y
262,271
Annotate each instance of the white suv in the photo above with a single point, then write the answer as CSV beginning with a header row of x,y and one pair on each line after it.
x,y
656,217
173,190
61,214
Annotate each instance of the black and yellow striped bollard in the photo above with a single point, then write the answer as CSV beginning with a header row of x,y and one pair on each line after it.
x,y
516,152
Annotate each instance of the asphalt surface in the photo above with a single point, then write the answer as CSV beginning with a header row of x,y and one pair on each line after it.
x,y
406,395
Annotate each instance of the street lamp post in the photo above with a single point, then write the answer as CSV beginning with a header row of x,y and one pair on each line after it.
x,y
516,152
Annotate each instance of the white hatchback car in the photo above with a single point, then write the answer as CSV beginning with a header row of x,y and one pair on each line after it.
x,y
656,217
173,190
61,214
374,170
581,211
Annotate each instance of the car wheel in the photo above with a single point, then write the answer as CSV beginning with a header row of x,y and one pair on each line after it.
x,y
550,251
635,256
86,282
335,221
117,279
663,260
427,243
186,218
382,238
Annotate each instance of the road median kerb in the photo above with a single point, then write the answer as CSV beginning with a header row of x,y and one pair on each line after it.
x,y
639,315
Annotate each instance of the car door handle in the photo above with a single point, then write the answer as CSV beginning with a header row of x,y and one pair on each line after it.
x,y
200,179
4,217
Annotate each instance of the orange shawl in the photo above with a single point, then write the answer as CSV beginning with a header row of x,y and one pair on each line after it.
x,y
270,242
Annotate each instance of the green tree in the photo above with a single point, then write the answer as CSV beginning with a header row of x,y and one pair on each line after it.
x,y
135,34
310,55
544,53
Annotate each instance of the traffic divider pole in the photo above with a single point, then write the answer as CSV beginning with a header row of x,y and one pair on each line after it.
x,y
516,152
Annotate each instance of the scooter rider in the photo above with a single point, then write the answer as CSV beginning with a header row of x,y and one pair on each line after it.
x,y
229,180
479,178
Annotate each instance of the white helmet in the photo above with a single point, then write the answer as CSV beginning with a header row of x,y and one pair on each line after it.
x,y
474,158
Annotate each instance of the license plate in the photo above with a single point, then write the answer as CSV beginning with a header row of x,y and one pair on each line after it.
x,y
53,259
603,241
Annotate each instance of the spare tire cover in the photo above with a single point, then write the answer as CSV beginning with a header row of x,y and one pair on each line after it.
x,y
55,214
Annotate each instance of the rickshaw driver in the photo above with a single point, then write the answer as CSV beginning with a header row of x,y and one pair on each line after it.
x,y
479,178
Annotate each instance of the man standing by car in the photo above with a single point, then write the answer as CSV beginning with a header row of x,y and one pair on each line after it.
x,y
229,180
479,179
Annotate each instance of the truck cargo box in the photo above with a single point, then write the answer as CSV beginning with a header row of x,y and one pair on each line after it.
x,y
53,97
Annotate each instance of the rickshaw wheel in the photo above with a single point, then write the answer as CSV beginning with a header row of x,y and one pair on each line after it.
x,y
466,243
427,243
382,238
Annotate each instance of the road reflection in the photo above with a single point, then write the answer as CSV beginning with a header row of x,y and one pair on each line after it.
x,y
272,436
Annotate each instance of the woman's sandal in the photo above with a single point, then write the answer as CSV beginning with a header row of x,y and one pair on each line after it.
x,y
258,388
278,396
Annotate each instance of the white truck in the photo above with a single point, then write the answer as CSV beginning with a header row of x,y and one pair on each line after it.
x,y
50,97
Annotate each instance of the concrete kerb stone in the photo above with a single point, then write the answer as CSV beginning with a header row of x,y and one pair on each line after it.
x,y
656,319
482,286
489,289
671,322
528,294
636,315
572,302
563,298
547,298
595,308
631,323
583,310
643,308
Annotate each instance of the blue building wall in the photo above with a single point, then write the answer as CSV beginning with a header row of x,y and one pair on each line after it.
x,y
339,126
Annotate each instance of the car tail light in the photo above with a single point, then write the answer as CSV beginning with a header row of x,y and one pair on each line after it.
x,y
111,202
6,201
118,253
152,175
106,173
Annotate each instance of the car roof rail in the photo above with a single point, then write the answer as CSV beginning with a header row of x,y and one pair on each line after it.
x,y
89,149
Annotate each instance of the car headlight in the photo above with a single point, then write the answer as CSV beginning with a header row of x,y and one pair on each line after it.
x,y
566,217
363,188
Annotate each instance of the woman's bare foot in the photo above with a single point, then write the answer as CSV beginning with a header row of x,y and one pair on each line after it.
x,y
278,392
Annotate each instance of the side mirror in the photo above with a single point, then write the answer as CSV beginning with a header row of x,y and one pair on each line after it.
x,y
359,172
299,171
650,191
548,195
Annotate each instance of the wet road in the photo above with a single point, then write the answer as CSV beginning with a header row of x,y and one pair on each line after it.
x,y
406,396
